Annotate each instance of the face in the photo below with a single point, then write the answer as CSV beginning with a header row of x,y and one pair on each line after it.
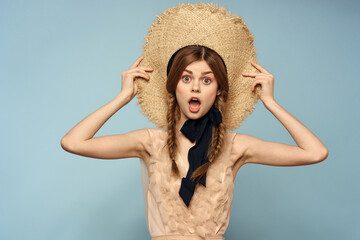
x,y
196,90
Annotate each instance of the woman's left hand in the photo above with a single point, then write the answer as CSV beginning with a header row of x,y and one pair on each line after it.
x,y
265,79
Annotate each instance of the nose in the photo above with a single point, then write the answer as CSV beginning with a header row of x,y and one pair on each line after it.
x,y
195,86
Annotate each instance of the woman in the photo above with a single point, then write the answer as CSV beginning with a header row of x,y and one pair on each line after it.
x,y
192,162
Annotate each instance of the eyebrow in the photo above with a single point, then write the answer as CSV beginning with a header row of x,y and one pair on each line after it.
x,y
203,73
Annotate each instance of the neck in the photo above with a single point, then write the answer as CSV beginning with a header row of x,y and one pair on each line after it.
x,y
180,123
182,120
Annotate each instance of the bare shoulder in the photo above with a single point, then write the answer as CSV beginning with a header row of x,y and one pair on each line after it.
x,y
157,132
240,147
242,143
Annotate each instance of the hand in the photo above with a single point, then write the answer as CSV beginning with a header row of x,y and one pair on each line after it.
x,y
265,80
128,86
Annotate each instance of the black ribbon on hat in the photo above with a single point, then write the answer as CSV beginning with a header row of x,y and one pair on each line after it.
x,y
199,130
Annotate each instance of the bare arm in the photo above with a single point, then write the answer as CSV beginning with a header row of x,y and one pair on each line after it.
x,y
309,148
79,140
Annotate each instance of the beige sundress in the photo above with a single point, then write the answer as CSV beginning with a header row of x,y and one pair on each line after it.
x,y
167,216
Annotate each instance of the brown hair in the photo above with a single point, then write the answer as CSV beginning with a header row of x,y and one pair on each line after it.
x,y
183,58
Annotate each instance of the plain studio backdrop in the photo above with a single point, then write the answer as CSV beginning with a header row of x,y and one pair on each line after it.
x,y
62,60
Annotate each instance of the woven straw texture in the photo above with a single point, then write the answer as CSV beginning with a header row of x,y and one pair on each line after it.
x,y
199,24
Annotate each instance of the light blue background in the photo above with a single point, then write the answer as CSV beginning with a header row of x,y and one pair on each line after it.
x,y
62,60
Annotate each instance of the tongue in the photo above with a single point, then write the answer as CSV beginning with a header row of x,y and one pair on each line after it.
x,y
194,104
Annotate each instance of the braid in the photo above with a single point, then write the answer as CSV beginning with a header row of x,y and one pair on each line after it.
x,y
216,142
171,139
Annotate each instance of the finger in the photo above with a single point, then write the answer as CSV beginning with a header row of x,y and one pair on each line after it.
x,y
132,73
254,85
136,63
138,70
142,75
256,75
249,74
147,69
135,70
258,67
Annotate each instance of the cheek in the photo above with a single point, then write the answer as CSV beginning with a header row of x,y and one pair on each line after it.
x,y
211,94
180,90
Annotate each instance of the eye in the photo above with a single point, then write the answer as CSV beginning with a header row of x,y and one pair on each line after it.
x,y
207,80
186,78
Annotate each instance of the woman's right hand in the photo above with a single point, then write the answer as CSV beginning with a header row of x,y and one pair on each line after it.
x,y
128,86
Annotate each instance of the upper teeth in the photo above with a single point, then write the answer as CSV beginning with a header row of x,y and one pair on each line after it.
x,y
195,99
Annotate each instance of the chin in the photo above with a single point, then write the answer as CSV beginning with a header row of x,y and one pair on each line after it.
x,y
196,115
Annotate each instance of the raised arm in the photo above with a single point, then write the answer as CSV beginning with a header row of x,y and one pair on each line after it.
x,y
309,148
80,139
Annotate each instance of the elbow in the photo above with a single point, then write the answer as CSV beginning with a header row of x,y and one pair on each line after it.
x,y
320,156
66,145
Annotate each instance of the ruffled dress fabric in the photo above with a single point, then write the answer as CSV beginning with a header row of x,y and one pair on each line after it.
x,y
167,216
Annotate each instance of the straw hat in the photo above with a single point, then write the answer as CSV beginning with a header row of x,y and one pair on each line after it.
x,y
199,24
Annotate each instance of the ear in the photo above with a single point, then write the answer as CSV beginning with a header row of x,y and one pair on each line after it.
x,y
218,92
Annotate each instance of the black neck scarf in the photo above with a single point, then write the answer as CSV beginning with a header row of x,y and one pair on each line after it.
x,y
199,130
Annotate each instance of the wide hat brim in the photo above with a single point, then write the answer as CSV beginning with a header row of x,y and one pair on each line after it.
x,y
206,25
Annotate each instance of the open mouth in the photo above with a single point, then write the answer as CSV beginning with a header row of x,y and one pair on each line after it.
x,y
194,104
